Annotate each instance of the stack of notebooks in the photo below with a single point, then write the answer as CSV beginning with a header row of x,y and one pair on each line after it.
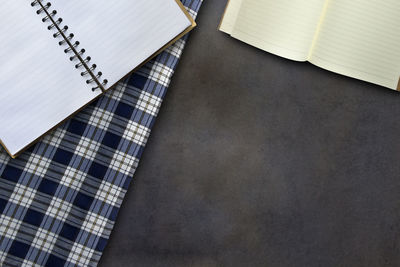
x,y
59,56
357,38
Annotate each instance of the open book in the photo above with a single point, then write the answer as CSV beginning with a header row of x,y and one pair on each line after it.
x,y
56,57
357,38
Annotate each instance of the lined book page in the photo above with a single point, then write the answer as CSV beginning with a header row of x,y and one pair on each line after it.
x,y
284,27
361,39
39,85
120,35
230,16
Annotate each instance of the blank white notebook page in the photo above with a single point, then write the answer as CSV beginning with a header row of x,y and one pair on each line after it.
x,y
120,35
39,85
283,27
361,39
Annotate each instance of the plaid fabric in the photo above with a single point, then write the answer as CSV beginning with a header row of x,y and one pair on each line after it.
x,y
60,199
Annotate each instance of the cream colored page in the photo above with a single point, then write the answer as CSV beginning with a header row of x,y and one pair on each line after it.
x,y
283,27
230,16
361,39
39,86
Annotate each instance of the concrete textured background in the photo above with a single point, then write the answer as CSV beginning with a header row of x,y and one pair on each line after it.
x,y
260,161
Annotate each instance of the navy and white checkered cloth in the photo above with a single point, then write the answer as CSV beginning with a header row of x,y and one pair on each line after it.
x,y
60,199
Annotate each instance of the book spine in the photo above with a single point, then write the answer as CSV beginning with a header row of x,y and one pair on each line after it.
x,y
72,47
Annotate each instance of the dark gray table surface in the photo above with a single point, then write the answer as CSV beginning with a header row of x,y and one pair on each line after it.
x,y
257,160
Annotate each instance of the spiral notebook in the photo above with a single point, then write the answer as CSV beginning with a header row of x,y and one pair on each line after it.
x,y
57,57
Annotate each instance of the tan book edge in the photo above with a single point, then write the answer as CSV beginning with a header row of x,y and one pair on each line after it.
x,y
222,19
398,86
187,30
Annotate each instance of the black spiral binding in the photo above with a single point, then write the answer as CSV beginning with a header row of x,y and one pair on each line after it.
x,y
72,47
